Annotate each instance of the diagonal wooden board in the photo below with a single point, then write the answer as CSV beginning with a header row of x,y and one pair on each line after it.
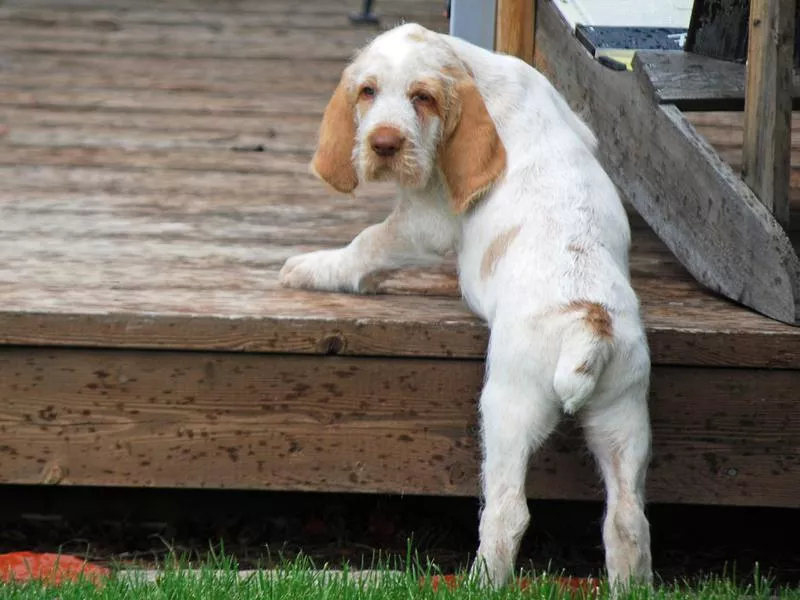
x,y
696,204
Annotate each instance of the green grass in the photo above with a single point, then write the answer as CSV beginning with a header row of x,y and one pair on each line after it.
x,y
217,579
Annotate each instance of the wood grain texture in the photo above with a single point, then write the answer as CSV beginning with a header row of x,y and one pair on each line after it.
x,y
695,82
134,216
185,263
244,8
34,71
77,417
691,81
724,130
245,18
768,104
164,101
718,29
702,210
514,28
268,44
153,180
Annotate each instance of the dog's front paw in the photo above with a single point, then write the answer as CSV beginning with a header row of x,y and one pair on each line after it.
x,y
321,270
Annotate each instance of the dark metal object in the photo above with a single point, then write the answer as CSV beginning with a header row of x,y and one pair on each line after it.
x,y
366,16
609,62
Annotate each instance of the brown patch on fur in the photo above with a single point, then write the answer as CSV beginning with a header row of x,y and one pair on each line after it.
x,y
497,249
416,36
576,248
432,87
584,368
333,160
596,316
472,156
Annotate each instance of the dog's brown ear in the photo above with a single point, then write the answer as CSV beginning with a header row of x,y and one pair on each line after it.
x,y
333,160
472,156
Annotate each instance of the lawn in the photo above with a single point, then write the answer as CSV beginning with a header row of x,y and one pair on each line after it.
x,y
218,578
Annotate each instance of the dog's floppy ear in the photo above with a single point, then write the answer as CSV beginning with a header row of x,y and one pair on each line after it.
x,y
472,156
333,160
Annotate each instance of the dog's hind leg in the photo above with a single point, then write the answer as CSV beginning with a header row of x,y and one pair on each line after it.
x,y
516,419
619,436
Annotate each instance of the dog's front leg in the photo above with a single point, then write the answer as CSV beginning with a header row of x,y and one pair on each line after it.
x,y
417,233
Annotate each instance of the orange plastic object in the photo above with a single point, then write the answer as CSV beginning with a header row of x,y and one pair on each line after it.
x,y
448,581
51,568
583,586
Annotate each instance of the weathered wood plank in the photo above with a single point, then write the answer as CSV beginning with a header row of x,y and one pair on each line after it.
x,y
514,28
244,7
257,146
224,143
681,330
396,426
190,259
297,129
718,28
139,40
104,180
768,104
312,16
247,134
695,82
186,102
29,71
135,34
724,131
139,184
208,158
702,210
31,126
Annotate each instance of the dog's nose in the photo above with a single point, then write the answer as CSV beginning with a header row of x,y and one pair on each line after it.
x,y
386,141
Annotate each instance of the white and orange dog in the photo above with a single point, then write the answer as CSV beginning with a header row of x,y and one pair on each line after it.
x,y
491,162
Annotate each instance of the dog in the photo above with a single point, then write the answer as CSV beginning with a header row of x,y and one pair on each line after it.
x,y
491,162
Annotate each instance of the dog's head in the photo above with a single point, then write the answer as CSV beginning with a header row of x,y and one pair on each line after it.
x,y
405,109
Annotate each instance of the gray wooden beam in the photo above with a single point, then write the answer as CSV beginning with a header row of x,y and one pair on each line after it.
x,y
695,202
696,82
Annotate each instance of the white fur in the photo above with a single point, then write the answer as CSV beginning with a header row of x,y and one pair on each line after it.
x,y
571,247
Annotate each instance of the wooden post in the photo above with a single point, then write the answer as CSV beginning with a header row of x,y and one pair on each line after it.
x,y
768,104
515,28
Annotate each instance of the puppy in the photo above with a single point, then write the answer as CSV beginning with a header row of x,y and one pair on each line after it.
x,y
491,162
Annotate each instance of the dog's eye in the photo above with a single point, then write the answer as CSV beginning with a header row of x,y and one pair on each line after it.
x,y
422,98
367,92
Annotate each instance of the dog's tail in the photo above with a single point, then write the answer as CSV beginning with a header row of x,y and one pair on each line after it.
x,y
586,346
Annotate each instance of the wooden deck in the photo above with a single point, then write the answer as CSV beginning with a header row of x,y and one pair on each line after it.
x,y
153,179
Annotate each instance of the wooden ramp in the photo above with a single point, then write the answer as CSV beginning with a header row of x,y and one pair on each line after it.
x,y
153,179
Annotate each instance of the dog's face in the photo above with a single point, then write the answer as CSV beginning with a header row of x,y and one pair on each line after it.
x,y
405,110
